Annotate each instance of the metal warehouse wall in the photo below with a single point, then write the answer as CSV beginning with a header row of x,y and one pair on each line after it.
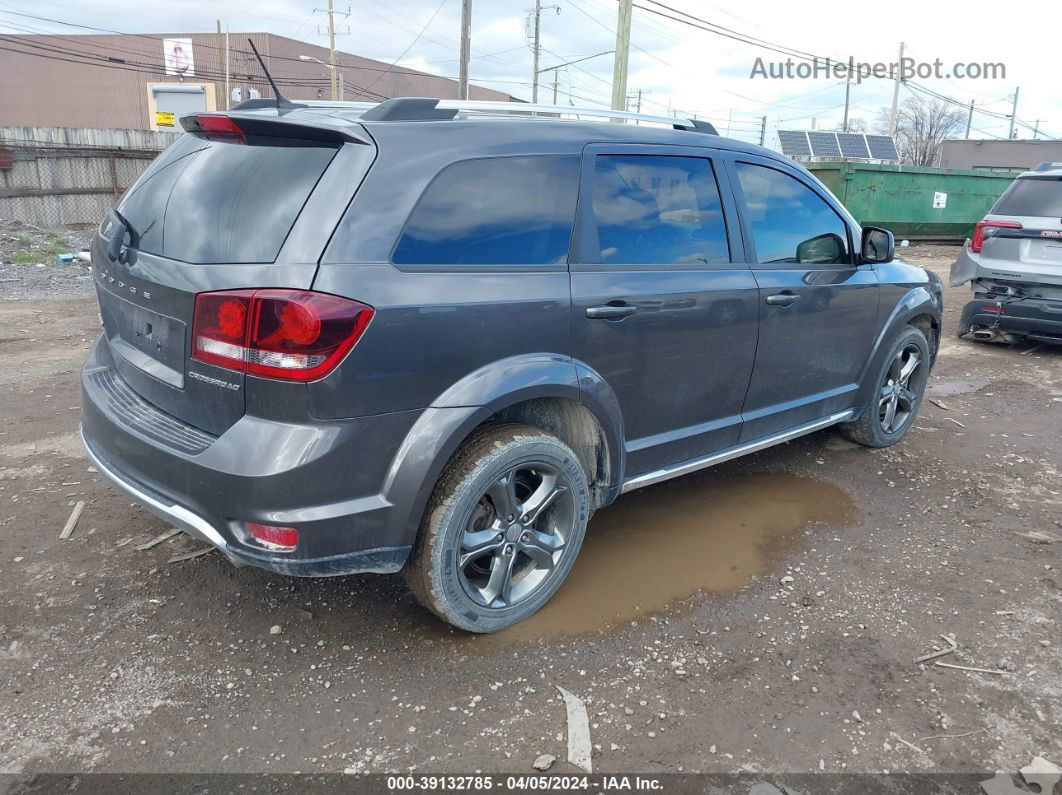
x,y
1003,155
102,81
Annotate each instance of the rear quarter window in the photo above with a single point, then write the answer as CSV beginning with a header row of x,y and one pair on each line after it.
x,y
494,211
1031,196
205,201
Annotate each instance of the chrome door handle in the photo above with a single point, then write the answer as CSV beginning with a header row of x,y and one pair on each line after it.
x,y
783,299
610,311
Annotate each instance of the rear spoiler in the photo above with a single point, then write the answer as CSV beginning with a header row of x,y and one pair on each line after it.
x,y
237,127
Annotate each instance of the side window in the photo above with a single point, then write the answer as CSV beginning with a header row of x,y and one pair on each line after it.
x,y
658,210
494,211
790,222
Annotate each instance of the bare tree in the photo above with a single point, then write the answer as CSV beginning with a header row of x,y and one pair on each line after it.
x,y
857,125
922,125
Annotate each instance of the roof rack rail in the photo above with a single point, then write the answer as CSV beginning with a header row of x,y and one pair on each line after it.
x,y
426,108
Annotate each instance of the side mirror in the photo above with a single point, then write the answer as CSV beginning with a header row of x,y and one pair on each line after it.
x,y
822,250
878,245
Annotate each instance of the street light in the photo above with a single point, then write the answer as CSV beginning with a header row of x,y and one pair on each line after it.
x,y
339,72
567,63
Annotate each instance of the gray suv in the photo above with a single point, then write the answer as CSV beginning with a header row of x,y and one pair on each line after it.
x,y
435,337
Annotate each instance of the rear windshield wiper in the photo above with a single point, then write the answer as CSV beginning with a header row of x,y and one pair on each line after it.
x,y
114,243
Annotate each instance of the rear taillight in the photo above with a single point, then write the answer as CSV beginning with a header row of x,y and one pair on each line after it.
x,y
985,229
291,335
278,539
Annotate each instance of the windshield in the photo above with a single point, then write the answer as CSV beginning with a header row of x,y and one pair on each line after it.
x,y
205,201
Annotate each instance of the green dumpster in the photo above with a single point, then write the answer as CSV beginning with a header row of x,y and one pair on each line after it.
x,y
915,202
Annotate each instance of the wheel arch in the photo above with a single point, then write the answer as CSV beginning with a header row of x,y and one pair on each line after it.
x,y
547,391
917,307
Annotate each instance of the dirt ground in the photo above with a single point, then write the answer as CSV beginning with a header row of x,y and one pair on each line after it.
x,y
759,616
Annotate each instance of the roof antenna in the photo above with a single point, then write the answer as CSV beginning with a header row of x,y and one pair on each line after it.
x,y
282,101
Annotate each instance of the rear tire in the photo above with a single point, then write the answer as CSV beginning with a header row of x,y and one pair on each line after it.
x,y
900,386
502,529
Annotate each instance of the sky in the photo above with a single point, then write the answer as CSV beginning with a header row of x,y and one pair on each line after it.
x,y
678,66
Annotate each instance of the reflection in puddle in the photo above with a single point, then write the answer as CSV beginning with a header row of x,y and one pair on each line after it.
x,y
661,544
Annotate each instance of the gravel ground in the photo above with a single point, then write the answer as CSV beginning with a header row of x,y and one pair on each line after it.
x,y
759,616
28,266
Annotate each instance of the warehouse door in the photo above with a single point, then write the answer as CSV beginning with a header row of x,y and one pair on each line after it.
x,y
173,100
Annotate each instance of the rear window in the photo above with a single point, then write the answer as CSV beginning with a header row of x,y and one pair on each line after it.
x,y
205,201
1031,196
494,211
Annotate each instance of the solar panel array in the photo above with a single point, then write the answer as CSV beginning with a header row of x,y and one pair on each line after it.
x,y
794,143
853,145
882,147
798,143
824,144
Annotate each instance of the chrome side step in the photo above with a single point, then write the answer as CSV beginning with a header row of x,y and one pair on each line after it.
x,y
659,475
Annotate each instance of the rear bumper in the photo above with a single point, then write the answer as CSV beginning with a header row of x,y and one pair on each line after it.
x,y
1032,317
325,478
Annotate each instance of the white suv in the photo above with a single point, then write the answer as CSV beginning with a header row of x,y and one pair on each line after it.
x,y
1014,262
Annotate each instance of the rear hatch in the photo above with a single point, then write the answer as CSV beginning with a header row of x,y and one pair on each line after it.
x,y
210,213
1029,248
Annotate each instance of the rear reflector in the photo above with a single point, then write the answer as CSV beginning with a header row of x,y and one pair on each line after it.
x,y
278,539
290,335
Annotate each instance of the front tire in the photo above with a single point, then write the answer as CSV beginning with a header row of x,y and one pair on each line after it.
x,y
899,388
502,529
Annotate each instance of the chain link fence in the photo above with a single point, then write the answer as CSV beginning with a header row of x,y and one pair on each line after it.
x,y
49,186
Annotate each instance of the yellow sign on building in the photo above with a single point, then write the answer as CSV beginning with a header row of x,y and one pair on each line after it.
x,y
163,119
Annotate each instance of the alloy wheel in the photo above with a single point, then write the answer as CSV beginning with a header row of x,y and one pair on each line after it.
x,y
897,399
516,535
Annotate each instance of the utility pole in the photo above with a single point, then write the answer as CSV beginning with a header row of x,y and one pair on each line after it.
x,y
466,49
226,49
623,48
847,92
535,51
333,83
729,121
638,107
557,67
969,119
896,94
763,130
1013,114
1036,128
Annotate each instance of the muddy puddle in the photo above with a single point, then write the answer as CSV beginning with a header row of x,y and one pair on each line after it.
x,y
654,547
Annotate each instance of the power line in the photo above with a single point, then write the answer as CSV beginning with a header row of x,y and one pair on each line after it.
x,y
950,100
410,47
55,53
